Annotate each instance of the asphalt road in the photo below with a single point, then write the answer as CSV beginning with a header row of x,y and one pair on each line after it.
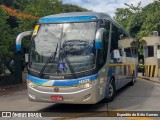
x,y
143,96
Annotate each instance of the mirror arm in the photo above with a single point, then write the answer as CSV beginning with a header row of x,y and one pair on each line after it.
x,y
19,39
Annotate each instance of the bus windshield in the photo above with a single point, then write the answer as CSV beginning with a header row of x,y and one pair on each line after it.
x,y
75,43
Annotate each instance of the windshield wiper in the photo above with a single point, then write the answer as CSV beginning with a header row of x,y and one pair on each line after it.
x,y
69,64
53,55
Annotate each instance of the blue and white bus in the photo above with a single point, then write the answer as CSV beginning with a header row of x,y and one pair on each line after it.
x,y
79,58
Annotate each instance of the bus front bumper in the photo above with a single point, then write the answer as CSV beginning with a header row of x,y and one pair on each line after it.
x,y
89,95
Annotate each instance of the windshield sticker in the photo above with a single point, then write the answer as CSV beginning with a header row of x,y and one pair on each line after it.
x,y
35,30
61,66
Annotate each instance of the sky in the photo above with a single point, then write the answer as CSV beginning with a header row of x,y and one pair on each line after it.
x,y
107,6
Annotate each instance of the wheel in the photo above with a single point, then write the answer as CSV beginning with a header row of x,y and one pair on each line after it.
x,y
111,91
133,80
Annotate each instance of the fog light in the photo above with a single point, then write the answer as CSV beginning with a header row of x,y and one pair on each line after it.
x,y
31,96
32,85
86,97
87,85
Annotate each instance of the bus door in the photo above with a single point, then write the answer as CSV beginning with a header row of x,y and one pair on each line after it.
x,y
117,67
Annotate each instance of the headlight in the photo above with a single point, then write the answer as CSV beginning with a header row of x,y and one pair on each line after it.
x,y
32,85
88,84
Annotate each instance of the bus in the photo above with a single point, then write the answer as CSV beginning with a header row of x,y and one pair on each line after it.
x,y
79,58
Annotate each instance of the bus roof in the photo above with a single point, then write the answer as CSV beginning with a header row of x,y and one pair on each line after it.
x,y
74,17
78,17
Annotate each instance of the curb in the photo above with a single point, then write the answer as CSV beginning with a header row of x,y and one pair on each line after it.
x,y
146,78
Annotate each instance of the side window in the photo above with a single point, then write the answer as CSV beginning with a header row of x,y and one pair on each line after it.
x,y
115,50
149,51
115,38
119,50
158,47
128,52
106,40
102,53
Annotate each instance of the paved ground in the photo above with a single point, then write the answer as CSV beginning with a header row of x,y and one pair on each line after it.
x,y
143,96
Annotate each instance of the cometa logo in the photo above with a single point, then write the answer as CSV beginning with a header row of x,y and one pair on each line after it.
x,y
56,77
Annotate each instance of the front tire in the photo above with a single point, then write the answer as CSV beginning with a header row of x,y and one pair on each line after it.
x,y
111,92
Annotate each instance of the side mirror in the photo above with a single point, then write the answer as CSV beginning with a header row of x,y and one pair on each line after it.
x,y
18,65
99,38
19,39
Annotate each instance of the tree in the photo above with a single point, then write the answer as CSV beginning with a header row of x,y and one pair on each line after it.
x,y
5,38
43,7
138,21
5,33
152,20
124,15
73,8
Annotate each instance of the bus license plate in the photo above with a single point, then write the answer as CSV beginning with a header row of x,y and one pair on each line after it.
x,y
57,98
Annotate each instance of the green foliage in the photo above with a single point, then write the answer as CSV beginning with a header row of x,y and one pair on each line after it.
x,y
151,21
5,34
138,21
5,38
135,23
126,16
12,25
73,8
43,7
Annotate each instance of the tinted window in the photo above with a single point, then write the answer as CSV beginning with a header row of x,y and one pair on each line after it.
x,y
149,51
128,52
102,53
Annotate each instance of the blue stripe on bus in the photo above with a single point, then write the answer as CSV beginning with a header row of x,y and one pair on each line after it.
x,y
67,19
18,47
98,44
37,80
69,82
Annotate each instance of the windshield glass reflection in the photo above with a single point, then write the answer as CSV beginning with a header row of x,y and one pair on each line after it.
x,y
75,41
